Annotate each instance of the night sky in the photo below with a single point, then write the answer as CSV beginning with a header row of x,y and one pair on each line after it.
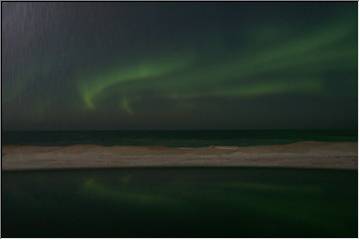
x,y
179,65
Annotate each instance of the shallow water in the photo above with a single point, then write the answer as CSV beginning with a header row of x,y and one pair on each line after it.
x,y
180,202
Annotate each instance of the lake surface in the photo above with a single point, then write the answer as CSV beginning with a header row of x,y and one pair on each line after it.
x,y
179,138
180,202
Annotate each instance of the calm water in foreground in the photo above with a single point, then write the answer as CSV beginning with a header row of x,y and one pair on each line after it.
x,y
180,202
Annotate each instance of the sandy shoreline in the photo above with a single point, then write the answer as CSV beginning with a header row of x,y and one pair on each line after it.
x,y
333,155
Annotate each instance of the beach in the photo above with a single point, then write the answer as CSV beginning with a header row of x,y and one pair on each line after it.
x,y
306,154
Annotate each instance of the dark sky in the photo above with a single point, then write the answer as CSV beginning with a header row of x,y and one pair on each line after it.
x,y
179,65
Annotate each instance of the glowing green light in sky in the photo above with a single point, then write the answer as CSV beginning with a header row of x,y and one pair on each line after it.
x,y
125,105
92,87
287,67
161,66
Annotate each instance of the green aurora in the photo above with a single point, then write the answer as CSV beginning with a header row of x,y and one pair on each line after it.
x,y
123,72
176,79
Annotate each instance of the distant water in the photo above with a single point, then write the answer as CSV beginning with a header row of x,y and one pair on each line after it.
x,y
179,138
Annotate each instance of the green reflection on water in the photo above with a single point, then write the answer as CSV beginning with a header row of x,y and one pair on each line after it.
x,y
121,194
180,202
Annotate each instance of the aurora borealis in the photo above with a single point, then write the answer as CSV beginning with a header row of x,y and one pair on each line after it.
x,y
179,65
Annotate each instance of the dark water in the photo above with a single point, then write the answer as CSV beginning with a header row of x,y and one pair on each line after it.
x,y
177,138
180,202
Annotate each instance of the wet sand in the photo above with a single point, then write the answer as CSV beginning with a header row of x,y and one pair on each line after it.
x,y
330,155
